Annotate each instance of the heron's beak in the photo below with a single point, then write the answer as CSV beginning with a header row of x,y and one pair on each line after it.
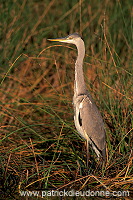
x,y
63,39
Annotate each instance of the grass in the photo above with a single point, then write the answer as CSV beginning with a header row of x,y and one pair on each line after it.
x,y
40,148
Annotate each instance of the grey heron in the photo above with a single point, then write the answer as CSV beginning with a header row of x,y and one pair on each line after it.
x,y
87,118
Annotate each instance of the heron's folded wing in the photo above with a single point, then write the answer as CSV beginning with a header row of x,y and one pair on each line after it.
x,y
92,123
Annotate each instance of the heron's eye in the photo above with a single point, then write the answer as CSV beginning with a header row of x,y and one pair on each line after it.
x,y
70,38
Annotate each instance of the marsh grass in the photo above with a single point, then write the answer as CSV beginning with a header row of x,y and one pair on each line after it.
x,y
40,148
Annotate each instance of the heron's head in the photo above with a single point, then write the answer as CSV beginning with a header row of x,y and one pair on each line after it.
x,y
72,39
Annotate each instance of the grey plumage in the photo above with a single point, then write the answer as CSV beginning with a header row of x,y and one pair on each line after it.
x,y
87,118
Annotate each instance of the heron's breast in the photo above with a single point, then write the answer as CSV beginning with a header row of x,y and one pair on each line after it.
x,y
78,123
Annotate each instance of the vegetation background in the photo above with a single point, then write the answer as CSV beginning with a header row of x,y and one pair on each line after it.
x,y
40,148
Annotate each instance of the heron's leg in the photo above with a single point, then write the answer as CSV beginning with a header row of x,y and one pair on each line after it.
x,y
88,155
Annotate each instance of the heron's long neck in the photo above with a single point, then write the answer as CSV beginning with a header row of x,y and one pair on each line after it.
x,y
79,86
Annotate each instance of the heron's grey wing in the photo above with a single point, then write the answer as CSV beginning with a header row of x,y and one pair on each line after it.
x,y
92,124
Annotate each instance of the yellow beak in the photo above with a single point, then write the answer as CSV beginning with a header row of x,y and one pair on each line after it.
x,y
63,39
